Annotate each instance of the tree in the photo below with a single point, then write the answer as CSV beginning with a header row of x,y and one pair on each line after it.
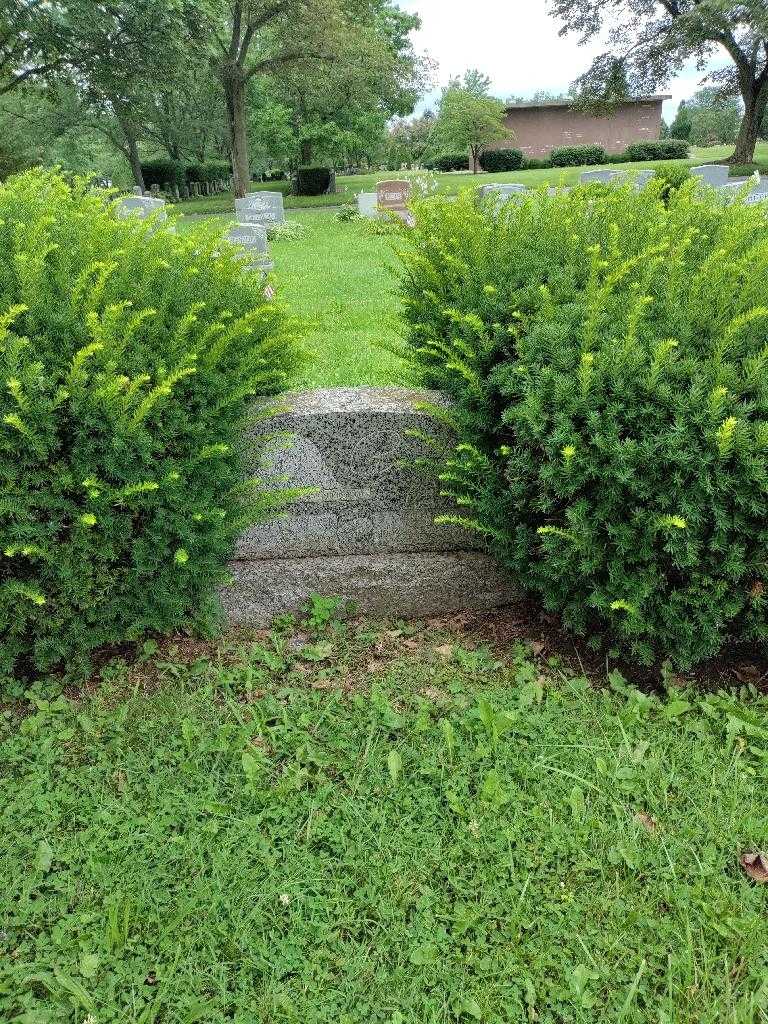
x,y
35,40
714,118
341,108
682,125
469,119
409,140
650,40
258,38
109,56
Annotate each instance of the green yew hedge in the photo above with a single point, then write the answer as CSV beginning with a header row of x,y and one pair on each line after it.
x,y
608,354
578,156
129,355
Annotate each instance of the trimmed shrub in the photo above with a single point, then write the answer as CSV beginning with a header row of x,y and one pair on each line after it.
x,y
534,163
672,177
608,359
162,171
746,170
129,355
210,170
577,156
313,181
501,160
449,162
664,149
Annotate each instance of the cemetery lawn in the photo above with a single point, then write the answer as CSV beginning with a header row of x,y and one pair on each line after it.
x,y
379,824
451,183
338,279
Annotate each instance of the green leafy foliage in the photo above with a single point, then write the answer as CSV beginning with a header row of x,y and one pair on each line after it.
x,y
672,177
208,170
127,355
448,162
162,171
663,149
501,159
313,181
578,156
452,837
608,354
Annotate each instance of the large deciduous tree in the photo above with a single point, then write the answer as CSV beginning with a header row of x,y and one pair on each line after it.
x,y
651,40
266,37
469,119
35,40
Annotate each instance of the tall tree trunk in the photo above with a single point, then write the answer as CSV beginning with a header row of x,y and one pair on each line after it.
x,y
132,152
755,103
305,153
234,85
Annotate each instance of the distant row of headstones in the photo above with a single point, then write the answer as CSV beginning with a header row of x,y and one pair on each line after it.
x,y
255,213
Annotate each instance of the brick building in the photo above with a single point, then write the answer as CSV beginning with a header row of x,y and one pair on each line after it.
x,y
540,127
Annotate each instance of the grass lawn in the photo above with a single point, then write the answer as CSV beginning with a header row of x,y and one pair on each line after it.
x,y
348,187
337,278
374,824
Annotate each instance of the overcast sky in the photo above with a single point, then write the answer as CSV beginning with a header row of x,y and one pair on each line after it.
x,y
515,43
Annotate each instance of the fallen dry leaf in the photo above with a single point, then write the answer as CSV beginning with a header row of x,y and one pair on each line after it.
x,y
444,652
645,819
374,666
755,865
537,646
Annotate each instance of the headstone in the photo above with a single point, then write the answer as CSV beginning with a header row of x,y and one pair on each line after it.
x,y
185,193
643,177
252,239
140,207
606,177
260,208
393,196
502,193
155,190
366,532
137,190
712,174
367,205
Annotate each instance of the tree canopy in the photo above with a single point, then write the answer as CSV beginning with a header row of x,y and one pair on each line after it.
x,y
468,118
649,41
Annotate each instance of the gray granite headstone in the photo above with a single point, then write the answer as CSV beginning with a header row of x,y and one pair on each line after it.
x,y
367,204
260,208
712,174
501,190
252,240
141,207
606,177
643,177
367,532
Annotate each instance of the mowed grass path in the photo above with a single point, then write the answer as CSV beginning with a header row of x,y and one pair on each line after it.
x,y
338,279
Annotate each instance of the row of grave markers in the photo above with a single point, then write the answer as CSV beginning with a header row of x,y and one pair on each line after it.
x,y
393,196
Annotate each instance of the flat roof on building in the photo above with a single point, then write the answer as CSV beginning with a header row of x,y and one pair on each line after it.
x,y
569,103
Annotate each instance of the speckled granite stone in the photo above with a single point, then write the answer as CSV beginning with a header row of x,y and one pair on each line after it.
x,y
367,533
354,445
407,584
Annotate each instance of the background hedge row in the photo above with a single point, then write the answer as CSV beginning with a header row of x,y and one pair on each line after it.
x,y
173,172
